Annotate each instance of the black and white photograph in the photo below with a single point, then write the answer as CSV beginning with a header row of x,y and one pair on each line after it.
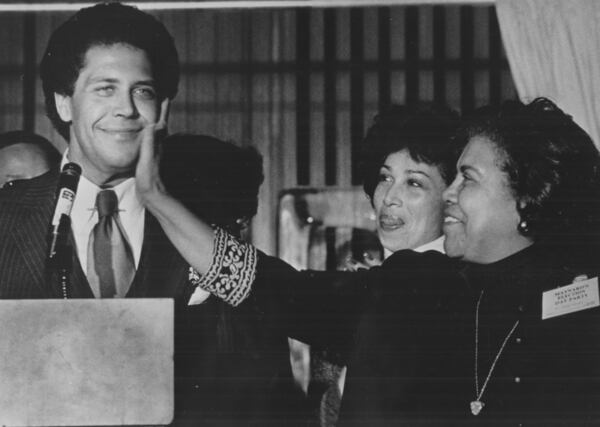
x,y
300,213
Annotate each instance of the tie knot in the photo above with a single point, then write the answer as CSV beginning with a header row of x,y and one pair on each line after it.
x,y
107,203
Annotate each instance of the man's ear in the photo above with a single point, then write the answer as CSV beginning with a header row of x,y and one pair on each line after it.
x,y
63,107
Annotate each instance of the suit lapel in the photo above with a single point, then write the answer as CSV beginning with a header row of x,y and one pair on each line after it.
x,y
31,233
80,287
30,240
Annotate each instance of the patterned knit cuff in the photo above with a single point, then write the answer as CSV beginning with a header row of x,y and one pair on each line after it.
x,y
232,271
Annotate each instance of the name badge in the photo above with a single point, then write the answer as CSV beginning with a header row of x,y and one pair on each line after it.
x,y
577,296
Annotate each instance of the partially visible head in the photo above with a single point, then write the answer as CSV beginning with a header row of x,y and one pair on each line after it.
x,y
25,155
408,161
216,180
528,174
104,73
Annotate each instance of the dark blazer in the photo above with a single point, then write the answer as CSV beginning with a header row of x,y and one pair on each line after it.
x,y
231,366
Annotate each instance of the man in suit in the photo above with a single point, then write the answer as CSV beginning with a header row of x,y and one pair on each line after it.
x,y
105,73
108,73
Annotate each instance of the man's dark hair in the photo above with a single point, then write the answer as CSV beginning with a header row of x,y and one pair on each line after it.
x,y
216,180
427,135
105,24
552,169
49,151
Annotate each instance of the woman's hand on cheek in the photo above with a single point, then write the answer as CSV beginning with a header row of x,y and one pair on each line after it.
x,y
147,174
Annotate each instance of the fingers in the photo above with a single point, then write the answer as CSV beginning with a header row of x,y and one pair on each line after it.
x,y
147,173
153,134
163,117
147,145
160,128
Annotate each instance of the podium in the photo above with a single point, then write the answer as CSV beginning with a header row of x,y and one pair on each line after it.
x,y
86,362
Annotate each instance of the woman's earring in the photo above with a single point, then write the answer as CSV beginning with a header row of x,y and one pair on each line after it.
x,y
523,227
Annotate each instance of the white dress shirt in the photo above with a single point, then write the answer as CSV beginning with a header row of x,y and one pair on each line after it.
x,y
435,245
84,215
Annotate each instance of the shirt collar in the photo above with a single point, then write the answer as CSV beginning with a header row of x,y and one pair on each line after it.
x,y
436,245
126,192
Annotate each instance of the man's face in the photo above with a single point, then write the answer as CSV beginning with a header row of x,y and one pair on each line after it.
x,y
408,202
113,100
21,161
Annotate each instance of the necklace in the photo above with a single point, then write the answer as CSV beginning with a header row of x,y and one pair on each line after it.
x,y
477,404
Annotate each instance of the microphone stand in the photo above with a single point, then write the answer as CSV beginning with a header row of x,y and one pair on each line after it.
x,y
61,260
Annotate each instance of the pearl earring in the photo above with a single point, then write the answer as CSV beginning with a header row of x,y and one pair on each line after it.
x,y
523,227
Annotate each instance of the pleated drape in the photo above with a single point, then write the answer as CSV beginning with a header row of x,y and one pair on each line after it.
x,y
553,51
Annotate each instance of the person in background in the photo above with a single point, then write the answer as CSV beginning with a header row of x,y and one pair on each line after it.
x,y
25,155
216,180
408,162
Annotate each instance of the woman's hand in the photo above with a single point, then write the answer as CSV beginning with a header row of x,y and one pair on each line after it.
x,y
147,174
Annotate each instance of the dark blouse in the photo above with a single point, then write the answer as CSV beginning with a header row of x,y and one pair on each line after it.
x,y
410,328
549,370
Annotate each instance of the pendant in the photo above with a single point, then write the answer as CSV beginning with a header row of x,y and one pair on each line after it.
x,y
476,407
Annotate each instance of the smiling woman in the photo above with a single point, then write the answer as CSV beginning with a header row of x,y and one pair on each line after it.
x,y
524,211
528,175
481,220
409,159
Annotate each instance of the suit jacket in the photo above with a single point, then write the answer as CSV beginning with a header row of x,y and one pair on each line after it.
x,y
231,364
25,212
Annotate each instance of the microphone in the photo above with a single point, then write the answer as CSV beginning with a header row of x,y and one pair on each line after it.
x,y
61,221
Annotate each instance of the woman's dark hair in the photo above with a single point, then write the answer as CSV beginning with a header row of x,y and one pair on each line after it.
x,y
427,135
216,180
552,167
105,24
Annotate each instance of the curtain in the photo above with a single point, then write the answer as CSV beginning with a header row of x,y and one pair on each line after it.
x,y
553,51
234,87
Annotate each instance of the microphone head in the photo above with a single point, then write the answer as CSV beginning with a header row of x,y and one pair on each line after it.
x,y
65,195
71,169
